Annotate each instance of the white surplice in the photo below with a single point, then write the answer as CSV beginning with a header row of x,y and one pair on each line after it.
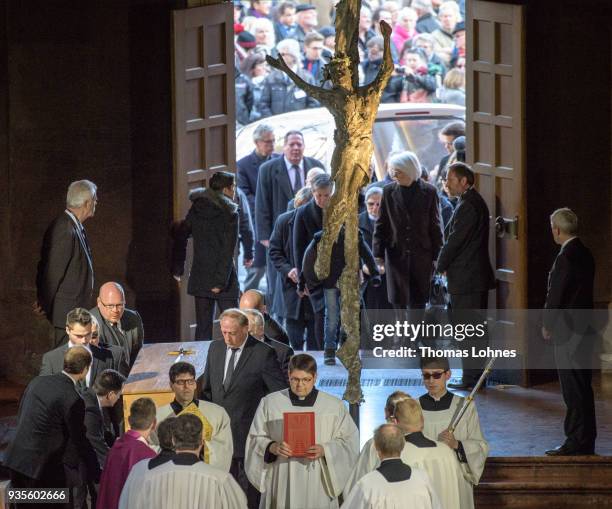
x,y
439,462
373,491
219,446
300,483
171,486
468,432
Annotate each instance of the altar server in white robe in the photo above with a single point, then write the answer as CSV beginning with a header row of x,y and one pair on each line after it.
x,y
439,408
436,458
217,433
184,481
393,485
314,481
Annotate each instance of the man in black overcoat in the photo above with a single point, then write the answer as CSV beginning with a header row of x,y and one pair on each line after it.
x,y
465,259
212,221
246,177
570,287
298,316
278,181
65,276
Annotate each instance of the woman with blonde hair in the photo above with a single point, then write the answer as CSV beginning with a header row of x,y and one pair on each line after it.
x,y
453,88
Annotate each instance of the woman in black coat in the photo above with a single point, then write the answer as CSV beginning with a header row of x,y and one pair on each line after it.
x,y
408,235
212,221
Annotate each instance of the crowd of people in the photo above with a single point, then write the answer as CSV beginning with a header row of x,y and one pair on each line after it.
x,y
223,439
427,46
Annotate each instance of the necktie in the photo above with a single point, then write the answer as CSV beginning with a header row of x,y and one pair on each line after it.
x,y
230,369
297,178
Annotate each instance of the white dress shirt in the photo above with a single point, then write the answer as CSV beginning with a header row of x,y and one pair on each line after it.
x,y
291,173
228,355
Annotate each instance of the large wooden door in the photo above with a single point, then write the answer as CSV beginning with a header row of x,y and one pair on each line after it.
x,y
496,146
203,113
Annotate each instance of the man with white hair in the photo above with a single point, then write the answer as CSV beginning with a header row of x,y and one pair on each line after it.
x,y
408,233
246,176
65,277
280,94
393,483
426,22
570,286
444,41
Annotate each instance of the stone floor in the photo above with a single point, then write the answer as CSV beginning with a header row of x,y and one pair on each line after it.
x,y
516,421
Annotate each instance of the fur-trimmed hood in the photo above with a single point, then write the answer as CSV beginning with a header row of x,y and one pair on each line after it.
x,y
209,202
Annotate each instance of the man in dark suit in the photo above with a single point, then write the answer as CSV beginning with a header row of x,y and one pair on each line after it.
x,y
570,286
246,176
257,330
104,394
278,181
78,328
298,310
50,448
118,325
238,373
65,277
465,259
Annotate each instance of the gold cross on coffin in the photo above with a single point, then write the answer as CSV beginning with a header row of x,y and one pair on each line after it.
x,y
180,352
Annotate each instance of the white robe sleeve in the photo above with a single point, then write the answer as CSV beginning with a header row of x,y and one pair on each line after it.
x,y
340,453
368,460
133,485
474,444
257,441
221,445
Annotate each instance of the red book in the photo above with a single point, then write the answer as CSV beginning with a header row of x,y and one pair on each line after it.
x,y
299,431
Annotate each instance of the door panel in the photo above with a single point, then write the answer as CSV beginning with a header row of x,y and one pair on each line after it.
x,y
203,113
496,148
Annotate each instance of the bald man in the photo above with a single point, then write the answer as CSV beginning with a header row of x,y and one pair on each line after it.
x,y
254,299
118,325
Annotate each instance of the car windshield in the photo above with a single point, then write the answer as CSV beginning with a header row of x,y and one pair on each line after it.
x,y
419,135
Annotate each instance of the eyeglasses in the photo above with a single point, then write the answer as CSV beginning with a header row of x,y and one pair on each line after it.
x,y
436,376
297,381
112,307
372,203
186,383
267,142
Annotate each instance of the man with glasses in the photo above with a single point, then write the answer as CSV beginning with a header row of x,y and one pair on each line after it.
x,y
285,477
118,325
216,434
439,407
246,176
78,329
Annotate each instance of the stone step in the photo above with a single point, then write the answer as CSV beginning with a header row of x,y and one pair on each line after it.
x,y
570,482
594,470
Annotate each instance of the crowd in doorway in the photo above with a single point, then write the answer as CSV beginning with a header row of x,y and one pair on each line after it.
x,y
427,46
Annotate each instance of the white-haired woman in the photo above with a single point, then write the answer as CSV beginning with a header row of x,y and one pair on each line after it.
x,y
408,233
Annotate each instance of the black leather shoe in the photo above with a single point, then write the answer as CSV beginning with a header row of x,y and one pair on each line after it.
x,y
462,386
563,450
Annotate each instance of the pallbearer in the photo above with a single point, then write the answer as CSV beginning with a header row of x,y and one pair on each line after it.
x,y
419,452
216,430
439,407
315,480
393,485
